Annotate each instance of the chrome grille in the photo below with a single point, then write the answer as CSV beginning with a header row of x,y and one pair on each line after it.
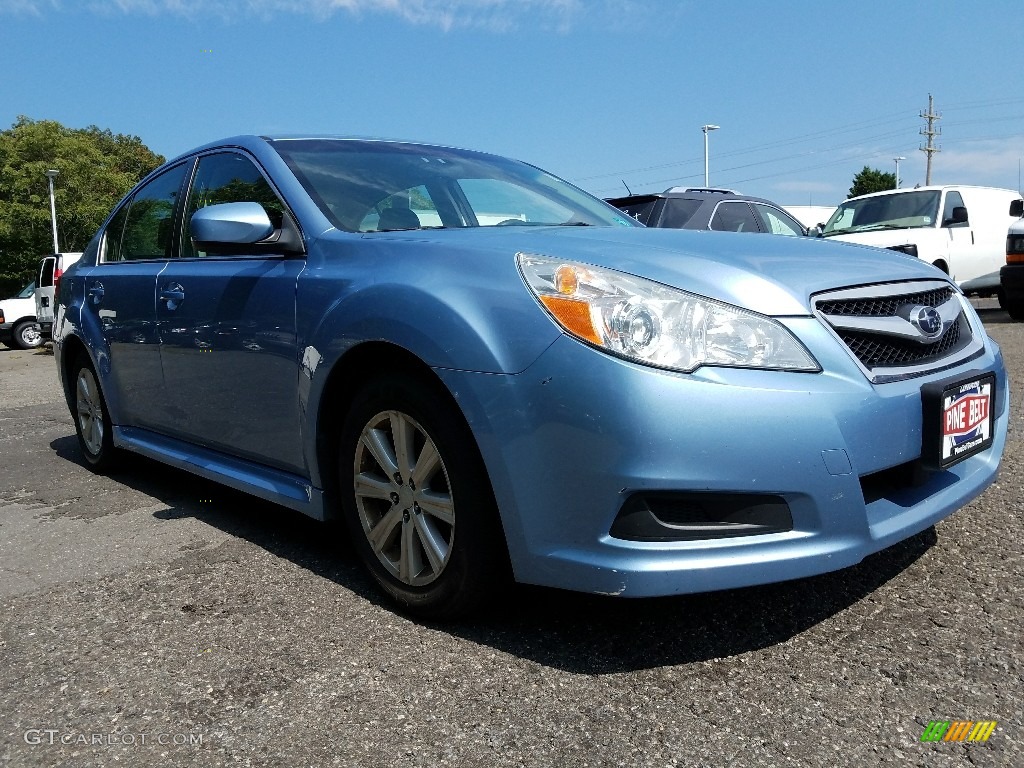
x,y
886,327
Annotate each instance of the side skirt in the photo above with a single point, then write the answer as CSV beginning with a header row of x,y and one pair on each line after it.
x,y
276,486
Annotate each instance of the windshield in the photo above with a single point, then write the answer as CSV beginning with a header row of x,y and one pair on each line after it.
x,y
376,186
28,291
900,210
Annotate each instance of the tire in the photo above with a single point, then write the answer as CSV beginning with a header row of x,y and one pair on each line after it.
x,y
92,419
26,335
423,520
1015,310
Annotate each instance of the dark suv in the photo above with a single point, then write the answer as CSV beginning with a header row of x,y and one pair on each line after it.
x,y
701,208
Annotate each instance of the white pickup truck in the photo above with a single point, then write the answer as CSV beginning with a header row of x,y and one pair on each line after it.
x,y
960,229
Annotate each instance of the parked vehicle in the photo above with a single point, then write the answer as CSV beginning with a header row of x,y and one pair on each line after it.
x,y
959,229
50,270
560,395
1011,276
18,327
703,208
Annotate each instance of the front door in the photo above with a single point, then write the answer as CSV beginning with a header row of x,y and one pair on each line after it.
x,y
227,330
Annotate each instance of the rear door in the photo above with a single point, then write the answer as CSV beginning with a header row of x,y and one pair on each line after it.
x,y
227,329
120,301
44,290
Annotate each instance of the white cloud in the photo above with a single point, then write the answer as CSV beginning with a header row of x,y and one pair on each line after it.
x,y
988,157
498,15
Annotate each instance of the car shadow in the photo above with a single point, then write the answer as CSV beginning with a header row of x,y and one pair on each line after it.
x,y
588,634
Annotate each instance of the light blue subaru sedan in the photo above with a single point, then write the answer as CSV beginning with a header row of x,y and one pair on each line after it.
x,y
489,375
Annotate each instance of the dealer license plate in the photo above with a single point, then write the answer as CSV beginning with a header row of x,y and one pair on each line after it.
x,y
957,419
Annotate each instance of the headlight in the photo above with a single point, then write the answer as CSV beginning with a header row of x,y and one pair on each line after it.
x,y
650,323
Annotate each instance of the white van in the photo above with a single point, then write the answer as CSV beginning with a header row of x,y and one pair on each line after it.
x,y
50,269
960,229
18,328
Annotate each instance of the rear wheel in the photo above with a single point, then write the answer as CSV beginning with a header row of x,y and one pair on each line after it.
x,y
416,499
92,420
26,335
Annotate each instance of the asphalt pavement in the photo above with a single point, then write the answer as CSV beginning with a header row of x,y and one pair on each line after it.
x,y
153,618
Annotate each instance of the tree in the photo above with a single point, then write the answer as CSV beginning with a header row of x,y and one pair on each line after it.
x,y
97,168
872,180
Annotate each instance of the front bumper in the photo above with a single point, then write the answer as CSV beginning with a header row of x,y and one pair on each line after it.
x,y
570,439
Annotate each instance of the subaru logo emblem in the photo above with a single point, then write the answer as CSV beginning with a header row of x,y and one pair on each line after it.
x,y
927,320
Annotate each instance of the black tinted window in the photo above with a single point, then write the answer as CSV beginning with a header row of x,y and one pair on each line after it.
x,y
639,208
678,212
228,178
734,217
143,227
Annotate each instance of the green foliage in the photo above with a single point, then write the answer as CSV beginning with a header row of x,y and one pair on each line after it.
x,y
872,180
97,168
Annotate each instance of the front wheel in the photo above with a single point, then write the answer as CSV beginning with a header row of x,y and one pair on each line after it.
x,y
416,499
1015,310
92,420
26,335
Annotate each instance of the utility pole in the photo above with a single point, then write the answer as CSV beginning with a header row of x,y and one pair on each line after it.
x,y
931,132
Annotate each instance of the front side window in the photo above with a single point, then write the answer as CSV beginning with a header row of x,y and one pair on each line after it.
x,y
775,221
354,183
953,200
734,217
227,177
143,227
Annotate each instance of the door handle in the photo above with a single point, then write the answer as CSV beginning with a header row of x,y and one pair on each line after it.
x,y
172,294
95,292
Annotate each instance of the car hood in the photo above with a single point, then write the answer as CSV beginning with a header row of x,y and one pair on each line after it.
x,y
769,274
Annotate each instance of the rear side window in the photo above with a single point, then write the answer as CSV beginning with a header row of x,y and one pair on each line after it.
x,y
734,217
143,227
46,272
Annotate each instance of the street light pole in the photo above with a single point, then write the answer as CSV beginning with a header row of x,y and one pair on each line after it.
x,y
897,159
53,209
707,128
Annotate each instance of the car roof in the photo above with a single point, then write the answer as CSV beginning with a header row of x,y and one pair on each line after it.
x,y
690,193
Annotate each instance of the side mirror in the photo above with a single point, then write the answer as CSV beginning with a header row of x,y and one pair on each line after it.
x,y
1017,208
959,217
230,224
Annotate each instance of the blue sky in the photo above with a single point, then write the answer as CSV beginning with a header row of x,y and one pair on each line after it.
x,y
596,91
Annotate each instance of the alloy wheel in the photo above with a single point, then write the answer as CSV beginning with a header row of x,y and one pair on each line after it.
x,y
89,407
403,498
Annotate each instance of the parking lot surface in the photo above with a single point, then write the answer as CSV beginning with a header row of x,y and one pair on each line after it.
x,y
153,618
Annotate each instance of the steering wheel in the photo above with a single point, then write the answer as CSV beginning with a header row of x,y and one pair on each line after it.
x,y
509,222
